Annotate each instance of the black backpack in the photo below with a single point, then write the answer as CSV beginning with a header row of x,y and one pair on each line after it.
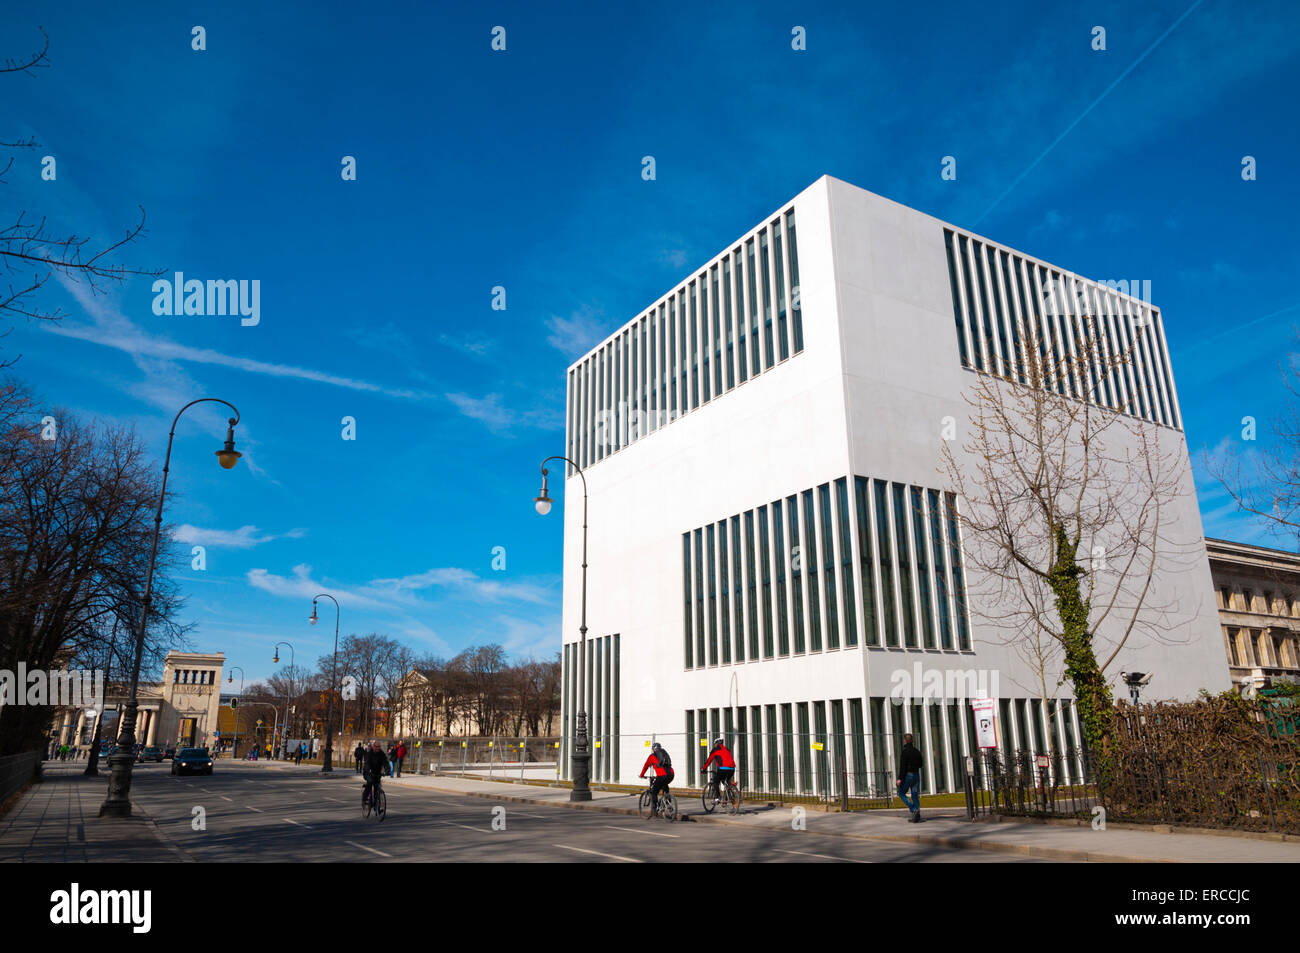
x,y
665,762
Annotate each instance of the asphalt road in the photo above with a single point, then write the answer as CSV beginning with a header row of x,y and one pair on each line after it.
x,y
262,813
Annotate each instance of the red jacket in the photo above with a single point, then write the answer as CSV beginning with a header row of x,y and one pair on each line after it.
x,y
401,750
722,756
652,762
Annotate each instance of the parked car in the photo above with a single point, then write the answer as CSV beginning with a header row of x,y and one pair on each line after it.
x,y
192,759
152,754
169,752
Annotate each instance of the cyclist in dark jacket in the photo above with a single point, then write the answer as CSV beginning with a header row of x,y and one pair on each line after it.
x,y
376,766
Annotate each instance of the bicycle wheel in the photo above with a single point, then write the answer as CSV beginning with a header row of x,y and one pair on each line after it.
x,y
365,805
381,805
733,798
669,807
709,796
646,805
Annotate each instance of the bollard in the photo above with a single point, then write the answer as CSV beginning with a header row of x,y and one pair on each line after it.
x,y
523,751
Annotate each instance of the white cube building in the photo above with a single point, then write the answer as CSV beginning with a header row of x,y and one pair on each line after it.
x,y
772,548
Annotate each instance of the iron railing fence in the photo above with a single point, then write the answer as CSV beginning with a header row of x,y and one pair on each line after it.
x,y
1029,784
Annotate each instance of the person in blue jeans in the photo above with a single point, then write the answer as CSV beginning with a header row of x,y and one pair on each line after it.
x,y
909,778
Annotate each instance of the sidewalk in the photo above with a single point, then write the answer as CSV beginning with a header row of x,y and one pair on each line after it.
x,y
946,827
58,822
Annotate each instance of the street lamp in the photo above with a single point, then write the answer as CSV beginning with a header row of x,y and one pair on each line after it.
x,y
328,764
581,751
284,742
1135,681
230,679
118,802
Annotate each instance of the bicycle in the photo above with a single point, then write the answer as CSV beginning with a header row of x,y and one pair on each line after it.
x,y
667,803
713,794
378,803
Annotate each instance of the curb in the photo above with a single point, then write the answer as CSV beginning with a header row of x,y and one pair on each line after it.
x,y
1045,853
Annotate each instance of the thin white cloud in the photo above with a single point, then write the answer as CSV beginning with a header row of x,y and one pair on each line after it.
x,y
246,537
578,333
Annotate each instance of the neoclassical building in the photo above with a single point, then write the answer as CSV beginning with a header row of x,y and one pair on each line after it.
x,y
181,709
1258,593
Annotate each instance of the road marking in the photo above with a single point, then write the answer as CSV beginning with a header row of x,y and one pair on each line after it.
x,y
335,800
846,860
637,830
371,849
481,830
296,824
583,850
251,808
224,798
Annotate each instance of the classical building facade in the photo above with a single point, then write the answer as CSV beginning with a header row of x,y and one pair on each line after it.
x,y
772,545
180,710
1258,592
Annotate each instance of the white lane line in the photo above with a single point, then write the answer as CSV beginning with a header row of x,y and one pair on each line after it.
x,y
481,830
637,830
583,850
335,800
251,808
296,824
224,798
846,860
371,849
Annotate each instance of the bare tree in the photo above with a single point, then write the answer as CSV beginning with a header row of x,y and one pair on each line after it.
x,y
1065,510
31,252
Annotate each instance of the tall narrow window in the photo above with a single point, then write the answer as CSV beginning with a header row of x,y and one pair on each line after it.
x,y
782,561
752,572
804,744
674,362
846,562
729,321
716,337
810,560
797,561
782,331
686,596
922,568
972,323
742,323
958,585
828,565
724,599
752,296
904,566
706,342
766,258
699,597
866,561
664,332
956,298
765,554
684,353
737,589
885,561
695,352
713,597
787,746
940,570
796,314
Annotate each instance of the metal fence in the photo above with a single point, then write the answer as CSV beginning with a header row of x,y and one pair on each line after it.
x,y
16,770
1029,784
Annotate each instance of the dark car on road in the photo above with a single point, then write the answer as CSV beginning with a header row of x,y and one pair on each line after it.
x,y
169,752
192,759
151,754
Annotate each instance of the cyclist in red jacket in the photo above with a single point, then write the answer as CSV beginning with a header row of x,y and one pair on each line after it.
x,y
720,754
664,774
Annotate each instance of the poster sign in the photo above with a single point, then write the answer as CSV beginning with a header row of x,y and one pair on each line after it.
x,y
986,734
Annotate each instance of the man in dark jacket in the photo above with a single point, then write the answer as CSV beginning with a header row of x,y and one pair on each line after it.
x,y
909,778
359,756
376,767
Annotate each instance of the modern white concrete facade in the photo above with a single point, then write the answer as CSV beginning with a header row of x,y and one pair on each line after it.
x,y
788,394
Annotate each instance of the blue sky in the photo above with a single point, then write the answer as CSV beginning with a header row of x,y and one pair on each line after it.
x,y
522,169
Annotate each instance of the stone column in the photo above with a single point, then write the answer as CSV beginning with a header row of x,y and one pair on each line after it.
x,y
66,728
81,723
153,727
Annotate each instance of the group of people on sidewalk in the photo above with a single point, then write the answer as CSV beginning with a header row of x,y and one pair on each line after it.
x,y
396,754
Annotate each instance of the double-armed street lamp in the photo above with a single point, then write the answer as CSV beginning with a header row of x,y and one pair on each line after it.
x,y
328,764
284,742
118,802
581,750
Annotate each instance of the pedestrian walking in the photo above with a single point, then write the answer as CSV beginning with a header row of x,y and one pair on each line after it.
x,y
909,778
400,751
359,756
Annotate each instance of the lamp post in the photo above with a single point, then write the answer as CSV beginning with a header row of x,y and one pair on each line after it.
x,y
118,802
234,752
284,742
581,749
328,764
